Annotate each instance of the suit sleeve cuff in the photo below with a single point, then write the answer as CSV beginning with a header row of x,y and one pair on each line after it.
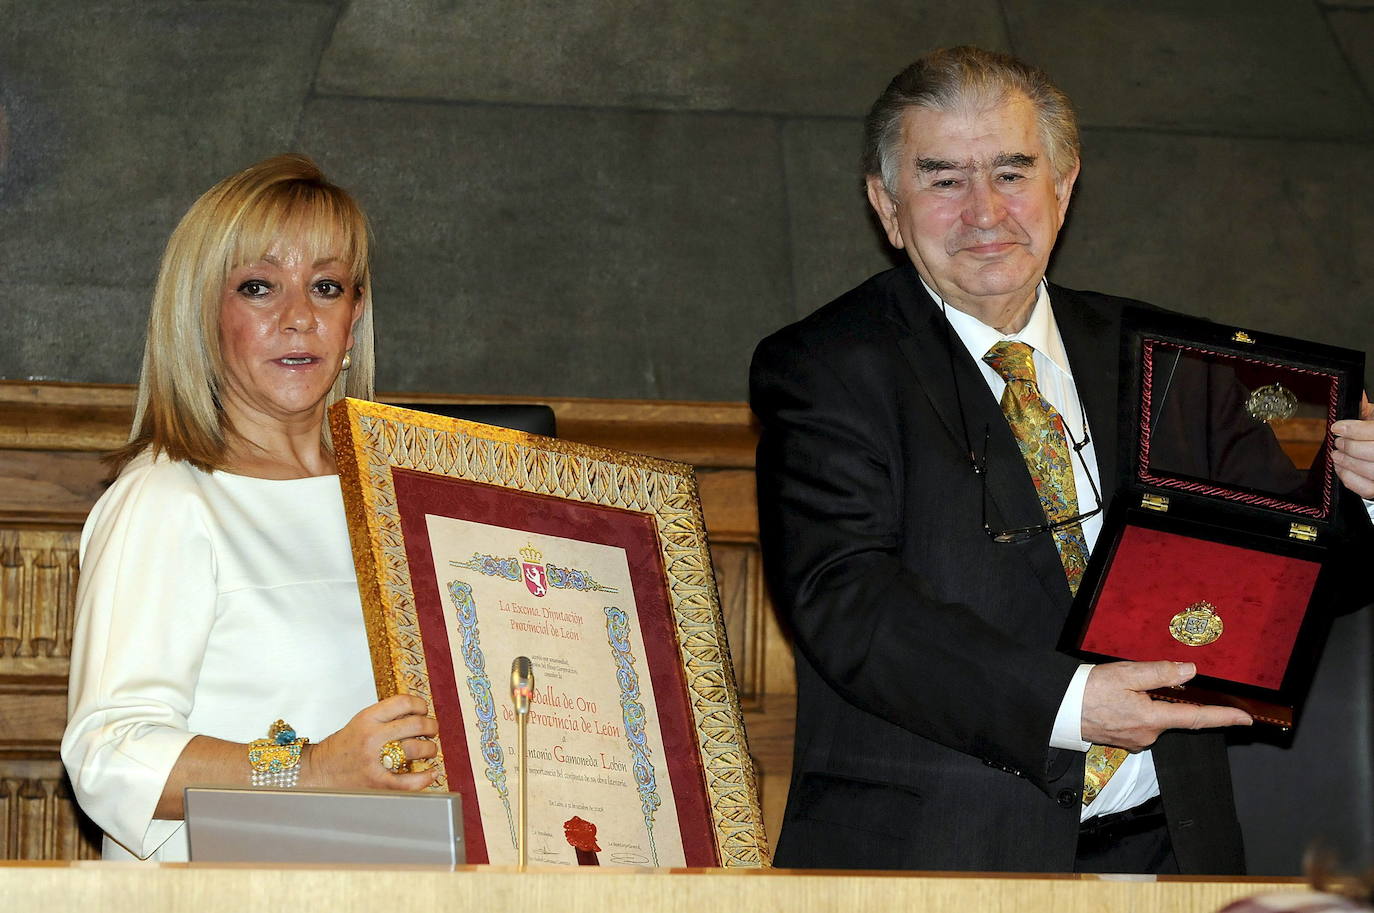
x,y
1068,724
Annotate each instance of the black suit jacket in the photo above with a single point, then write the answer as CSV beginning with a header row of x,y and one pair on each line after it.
x,y
928,679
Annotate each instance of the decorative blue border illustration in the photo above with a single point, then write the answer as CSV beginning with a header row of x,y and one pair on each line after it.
x,y
561,578
491,566
479,686
618,633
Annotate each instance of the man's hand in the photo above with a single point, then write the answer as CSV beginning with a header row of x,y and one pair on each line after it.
x,y
1354,456
1117,711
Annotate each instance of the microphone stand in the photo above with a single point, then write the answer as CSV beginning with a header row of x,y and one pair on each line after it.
x,y
521,690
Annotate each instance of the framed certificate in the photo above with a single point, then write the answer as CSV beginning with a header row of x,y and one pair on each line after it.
x,y
475,545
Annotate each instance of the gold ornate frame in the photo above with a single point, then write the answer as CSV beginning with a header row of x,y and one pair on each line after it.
x,y
371,440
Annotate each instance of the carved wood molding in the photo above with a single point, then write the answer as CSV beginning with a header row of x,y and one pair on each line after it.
x,y
38,571
38,819
96,417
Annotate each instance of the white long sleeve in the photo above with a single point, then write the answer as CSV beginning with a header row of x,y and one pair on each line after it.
x,y
208,604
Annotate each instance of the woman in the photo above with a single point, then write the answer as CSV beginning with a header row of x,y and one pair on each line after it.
x,y
217,590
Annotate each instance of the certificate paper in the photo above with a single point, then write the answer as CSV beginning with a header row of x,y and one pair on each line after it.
x,y
594,743
475,545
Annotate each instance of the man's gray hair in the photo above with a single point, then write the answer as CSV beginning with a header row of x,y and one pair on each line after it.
x,y
951,78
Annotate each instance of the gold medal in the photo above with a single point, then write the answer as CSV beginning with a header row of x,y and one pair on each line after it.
x,y
1271,403
1197,625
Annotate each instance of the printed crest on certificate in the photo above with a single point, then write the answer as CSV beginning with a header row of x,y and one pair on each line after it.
x,y
475,545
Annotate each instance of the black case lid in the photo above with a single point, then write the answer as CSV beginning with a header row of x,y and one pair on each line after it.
x,y
1206,406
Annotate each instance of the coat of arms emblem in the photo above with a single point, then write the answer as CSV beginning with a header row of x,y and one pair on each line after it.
x,y
532,564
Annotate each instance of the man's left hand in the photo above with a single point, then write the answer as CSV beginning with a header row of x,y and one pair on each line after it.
x,y
1354,456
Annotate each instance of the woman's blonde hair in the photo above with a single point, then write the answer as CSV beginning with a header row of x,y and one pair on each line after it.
x,y
178,409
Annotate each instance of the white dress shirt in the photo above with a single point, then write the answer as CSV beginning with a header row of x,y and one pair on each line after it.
x,y
1135,781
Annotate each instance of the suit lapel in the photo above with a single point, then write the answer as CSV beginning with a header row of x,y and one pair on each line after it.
x,y
1092,338
929,348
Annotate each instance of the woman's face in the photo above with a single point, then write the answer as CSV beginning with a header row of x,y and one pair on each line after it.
x,y
285,323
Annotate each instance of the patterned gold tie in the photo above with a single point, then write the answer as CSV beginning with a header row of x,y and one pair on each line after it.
x,y
1039,432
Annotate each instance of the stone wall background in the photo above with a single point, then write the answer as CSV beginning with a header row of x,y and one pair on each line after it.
x,y
618,198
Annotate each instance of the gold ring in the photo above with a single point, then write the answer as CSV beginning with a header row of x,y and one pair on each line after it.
x,y
393,757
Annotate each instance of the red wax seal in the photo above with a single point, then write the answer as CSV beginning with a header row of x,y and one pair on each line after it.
x,y
581,835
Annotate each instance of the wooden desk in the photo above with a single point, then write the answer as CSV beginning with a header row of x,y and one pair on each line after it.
x,y
111,887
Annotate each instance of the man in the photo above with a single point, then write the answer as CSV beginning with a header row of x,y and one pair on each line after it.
x,y
937,726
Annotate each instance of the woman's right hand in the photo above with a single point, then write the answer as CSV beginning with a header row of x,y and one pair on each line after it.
x,y
351,758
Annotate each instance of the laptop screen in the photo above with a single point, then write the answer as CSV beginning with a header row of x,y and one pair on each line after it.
x,y
302,825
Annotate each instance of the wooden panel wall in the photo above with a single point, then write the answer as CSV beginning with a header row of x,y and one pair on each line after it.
x,y
51,436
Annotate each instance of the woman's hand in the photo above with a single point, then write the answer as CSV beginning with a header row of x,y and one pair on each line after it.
x,y
351,757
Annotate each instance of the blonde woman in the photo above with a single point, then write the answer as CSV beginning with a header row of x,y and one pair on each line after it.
x,y
217,598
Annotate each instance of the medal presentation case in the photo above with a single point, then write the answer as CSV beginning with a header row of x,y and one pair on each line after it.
x,y
1215,550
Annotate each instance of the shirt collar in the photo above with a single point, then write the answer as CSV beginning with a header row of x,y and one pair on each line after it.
x,y
1041,332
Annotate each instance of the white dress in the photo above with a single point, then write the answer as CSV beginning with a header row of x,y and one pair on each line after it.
x,y
208,603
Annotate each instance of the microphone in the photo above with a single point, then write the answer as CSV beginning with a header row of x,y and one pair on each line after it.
x,y
521,683
521,692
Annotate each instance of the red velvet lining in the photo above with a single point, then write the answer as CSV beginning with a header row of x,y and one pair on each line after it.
x,y
1261,598
418,494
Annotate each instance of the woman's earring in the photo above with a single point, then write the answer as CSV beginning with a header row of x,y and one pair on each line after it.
x,y
347,361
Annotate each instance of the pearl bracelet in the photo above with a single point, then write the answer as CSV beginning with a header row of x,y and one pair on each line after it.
x,y
275,760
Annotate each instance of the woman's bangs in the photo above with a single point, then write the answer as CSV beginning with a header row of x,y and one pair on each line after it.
x,y
319,221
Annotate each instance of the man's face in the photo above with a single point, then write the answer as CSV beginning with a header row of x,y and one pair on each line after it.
x,y
977,206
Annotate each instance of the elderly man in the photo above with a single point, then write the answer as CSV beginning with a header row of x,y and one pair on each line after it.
x,y
937,726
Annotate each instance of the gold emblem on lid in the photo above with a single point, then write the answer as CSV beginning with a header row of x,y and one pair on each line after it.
x,y
1271,403
1197,625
